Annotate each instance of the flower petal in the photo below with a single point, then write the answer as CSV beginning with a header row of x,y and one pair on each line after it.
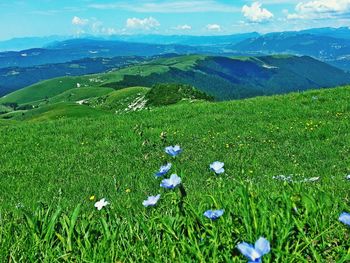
x,y
222,170
151,201
172,182
213,214
248,251
345,218
262,245
173,150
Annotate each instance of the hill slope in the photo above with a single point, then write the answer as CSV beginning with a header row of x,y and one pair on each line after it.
x,y
222,77
15,78
66,162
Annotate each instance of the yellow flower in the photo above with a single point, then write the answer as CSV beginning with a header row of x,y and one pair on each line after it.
x,y
127,190
92,198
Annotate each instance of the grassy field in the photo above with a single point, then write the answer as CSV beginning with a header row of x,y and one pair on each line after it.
x,y
50,169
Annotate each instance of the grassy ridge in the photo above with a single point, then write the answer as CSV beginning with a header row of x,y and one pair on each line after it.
x,y
42,90
62,163
78,94
119,100
60,110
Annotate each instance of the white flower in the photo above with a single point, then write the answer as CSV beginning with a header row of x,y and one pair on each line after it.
x,y
100,204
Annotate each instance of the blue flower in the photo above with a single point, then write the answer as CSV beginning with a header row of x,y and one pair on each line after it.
x,y
217,167
345,218
151,201
172,182
213,214
254,253
173,150
163,170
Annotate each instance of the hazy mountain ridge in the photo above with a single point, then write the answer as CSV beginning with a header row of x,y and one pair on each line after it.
x,y
327,44
61,52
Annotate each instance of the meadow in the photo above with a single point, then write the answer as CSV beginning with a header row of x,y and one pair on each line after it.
x,y
286,161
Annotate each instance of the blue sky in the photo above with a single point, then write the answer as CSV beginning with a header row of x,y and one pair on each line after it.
x,y
195,17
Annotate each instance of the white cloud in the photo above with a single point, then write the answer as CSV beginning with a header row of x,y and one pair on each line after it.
x,y
320,9
110,31
214,27
324,6
255,13
96,26
192,6
79,21
146,23
183,27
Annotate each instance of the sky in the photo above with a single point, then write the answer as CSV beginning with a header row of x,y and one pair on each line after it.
x,y
192,17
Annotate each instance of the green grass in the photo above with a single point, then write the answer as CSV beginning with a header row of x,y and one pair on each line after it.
x,y
50,169
4,109
119,100
42,90
60,110
78,94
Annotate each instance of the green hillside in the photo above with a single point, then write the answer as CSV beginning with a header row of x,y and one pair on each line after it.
x,y
222,77
97,101
167,94
79,94
54,87
42,90
123,100
56,111
50,170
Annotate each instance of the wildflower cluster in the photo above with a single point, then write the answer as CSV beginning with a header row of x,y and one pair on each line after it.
x,y
253,252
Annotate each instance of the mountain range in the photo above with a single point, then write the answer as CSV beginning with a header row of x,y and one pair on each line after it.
x,y
62,56
224,78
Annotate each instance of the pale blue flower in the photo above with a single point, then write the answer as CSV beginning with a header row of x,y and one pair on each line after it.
x,y
151,201
172,182
163,170
173,150
217,167
213,214
255,253
345,218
